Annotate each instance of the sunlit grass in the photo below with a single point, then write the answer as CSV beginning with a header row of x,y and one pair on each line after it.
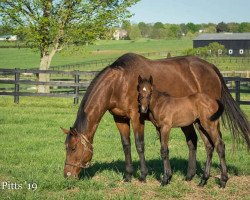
x,y
32,151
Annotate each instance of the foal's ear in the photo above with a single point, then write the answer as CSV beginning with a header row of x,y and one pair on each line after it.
x,y
151,80
65,130
139,79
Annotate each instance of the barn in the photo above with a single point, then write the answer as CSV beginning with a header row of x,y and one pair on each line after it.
x,y
235,43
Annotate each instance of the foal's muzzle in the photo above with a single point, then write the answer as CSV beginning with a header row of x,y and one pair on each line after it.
x,y
144,109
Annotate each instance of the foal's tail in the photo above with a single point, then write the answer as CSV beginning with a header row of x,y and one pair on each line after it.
x,y
219,112
233,117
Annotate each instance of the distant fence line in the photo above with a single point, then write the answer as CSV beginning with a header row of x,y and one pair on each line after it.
x,y
79,84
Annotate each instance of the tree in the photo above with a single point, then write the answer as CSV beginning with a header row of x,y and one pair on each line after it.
x,y
126,25
135,32
191,27
244,27
49,25
233,27
145,29
158,31
221,27
173,31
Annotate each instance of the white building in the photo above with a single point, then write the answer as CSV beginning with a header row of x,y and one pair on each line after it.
x,y
8,38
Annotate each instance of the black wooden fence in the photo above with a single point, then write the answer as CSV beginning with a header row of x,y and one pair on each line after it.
x,y
78,82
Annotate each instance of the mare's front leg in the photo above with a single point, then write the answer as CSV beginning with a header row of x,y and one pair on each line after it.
x,y
138,128
124,128
191,139
167,175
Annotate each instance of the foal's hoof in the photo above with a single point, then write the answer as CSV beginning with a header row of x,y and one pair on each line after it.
x,y
165,182
127,178
142,179
189,178
223,184
202,183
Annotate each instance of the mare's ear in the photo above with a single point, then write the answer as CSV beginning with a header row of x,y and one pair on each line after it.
x,y
139,79
65,130
73,131
151,80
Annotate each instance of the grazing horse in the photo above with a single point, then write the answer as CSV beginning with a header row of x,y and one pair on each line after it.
x,y
166,112
114,90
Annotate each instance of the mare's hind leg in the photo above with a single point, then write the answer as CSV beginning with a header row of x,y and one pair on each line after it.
x,y
209,149
213,128
191,139
124,129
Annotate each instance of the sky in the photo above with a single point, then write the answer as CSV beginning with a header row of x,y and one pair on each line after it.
x,y
196,11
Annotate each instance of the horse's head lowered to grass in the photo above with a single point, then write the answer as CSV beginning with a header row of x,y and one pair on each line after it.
x,y
79,152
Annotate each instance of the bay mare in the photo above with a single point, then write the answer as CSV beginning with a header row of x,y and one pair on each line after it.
x,y
166,112
114,89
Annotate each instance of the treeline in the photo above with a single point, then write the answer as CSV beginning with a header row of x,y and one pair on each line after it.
x,y
159,30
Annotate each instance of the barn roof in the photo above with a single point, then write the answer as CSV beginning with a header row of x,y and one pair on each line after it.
x,y
224,36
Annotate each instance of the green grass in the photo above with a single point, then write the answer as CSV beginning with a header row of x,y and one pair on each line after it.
x,y
27,58
32,151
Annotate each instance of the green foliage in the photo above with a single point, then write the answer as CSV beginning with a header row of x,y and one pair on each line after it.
x,y
213,49
222,27
145,29
135,32
191,27
244,27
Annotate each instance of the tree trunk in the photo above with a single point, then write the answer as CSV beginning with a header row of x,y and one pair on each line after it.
x,y
44,65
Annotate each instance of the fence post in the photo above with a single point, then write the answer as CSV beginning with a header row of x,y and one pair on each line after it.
x,y
237,90
77,80
17,77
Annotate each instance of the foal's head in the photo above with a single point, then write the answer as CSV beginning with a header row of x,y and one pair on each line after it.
x,y
79,152
145,88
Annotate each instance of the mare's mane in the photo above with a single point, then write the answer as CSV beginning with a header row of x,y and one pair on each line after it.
x,y
124,62
81,120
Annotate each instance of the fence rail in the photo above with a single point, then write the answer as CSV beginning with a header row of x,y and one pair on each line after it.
x,y
80,84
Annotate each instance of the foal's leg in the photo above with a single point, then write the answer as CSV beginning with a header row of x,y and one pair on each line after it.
x,y
191,139
209,149
167,175
138,128
124,129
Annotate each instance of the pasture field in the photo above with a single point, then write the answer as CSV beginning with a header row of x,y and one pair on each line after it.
x,y
26,58
32,151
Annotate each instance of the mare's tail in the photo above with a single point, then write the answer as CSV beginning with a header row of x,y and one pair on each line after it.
x,y
219,112
233,117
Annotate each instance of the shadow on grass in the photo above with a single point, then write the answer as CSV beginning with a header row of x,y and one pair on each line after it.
x,y
155,167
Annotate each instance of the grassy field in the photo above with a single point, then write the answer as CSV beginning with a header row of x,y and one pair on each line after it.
x,y
27,58
32,151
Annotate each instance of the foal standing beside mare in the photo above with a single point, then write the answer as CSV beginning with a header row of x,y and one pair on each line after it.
x,y
166,112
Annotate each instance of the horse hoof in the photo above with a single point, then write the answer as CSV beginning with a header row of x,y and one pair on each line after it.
x,y
202,183
165,182
142,179
188,178
127,178
222,184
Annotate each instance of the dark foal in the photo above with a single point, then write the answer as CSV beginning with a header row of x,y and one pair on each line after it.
x,y
166,112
